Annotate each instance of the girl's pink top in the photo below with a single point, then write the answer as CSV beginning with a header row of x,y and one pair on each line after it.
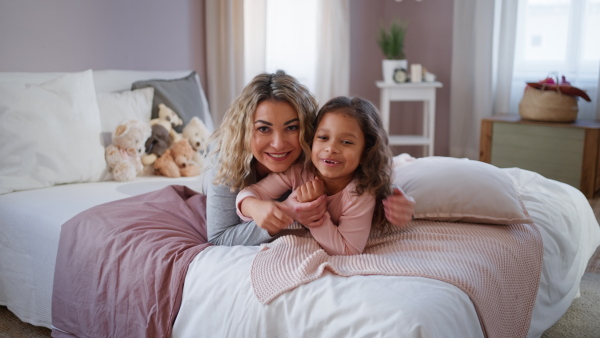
x,y
347,220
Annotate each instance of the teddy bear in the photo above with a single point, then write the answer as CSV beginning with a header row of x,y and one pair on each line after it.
x,y
123,156
197,135
168,119
158,142
176,161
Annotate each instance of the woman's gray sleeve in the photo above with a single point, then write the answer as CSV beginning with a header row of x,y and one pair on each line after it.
x,y
224,227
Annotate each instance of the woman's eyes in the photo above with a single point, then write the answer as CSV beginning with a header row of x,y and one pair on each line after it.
x,y
266,129
263,129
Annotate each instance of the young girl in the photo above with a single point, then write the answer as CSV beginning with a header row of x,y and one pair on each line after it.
x,y
351,165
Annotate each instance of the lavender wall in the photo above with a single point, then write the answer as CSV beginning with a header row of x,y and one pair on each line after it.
x,y
74,35
428,42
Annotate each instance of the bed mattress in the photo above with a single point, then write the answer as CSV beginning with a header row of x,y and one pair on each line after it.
x,y
335,306
30,223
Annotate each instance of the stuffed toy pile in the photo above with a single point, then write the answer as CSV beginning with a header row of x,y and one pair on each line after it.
x,y
163,134
123,156
155,148
177,161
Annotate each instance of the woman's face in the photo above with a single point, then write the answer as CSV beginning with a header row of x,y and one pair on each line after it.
x,y
275,139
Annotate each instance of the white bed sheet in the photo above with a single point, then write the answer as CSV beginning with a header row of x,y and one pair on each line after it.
x,y
30,223
218,299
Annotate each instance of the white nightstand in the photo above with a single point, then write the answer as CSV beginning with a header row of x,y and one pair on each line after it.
x,y
409,91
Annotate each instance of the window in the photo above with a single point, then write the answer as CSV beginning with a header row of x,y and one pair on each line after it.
x,y
288,31
558,36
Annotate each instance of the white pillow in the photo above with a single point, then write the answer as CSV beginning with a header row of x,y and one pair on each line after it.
x,y
119,106
451,189
50,133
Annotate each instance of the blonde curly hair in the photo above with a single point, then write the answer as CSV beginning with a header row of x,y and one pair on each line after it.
x,y
230,144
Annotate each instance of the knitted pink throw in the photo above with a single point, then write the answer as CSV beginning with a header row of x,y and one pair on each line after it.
x,y
497,266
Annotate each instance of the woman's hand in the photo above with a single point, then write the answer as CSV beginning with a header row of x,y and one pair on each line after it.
x,y
309,214
399,208
266,214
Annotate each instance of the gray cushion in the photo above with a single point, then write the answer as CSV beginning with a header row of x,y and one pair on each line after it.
x,y
182,95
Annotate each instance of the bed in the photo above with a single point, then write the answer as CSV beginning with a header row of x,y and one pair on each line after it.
x,y
132,257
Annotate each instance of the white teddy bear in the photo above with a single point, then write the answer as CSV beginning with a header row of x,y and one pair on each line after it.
x,y
197,135
123,156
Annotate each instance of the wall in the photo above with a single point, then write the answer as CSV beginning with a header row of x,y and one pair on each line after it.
x,y
428,42
74,35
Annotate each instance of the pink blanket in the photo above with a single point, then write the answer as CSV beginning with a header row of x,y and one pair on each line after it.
x,y
121,266
497,266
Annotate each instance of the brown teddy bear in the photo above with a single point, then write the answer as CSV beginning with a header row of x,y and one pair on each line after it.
x,y
176,161
123,156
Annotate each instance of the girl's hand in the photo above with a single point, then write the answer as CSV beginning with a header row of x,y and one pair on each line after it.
x,y
310,190
309,214
399,208
268,215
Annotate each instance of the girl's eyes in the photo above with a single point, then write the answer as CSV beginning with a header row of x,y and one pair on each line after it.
x,y
325,138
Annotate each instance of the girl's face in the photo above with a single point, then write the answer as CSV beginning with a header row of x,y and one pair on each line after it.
x,y
275,139
337,149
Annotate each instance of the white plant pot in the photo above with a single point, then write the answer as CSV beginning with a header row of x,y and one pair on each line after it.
x,y
390,66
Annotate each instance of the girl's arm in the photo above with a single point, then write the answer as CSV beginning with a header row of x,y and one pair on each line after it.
x,y
351,235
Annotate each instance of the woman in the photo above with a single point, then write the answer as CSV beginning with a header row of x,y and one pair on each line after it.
x,y
267,129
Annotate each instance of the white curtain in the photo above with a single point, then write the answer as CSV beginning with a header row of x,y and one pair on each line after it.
x,y
332,76
225,54
326,71
472,73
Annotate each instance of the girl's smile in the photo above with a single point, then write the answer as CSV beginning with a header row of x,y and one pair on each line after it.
x,y
337,150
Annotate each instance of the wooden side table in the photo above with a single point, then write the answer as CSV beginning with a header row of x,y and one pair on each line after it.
x,y
419,91
566,152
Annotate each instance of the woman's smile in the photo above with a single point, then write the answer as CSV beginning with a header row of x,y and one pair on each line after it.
x,y
275,141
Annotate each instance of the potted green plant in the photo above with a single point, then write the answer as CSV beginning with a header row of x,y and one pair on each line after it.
x,y
391,42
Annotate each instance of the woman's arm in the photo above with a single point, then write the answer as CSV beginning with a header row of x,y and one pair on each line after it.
x,y
399,208
266,214
223,225
270,188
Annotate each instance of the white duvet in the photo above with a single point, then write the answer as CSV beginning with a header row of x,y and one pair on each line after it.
x,y
218,299
331,306
30,223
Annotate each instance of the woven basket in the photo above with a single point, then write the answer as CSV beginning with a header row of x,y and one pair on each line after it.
x,y
548,105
